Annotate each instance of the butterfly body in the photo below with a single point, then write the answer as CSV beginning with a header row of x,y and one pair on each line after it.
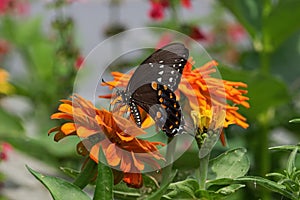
x,y
152,88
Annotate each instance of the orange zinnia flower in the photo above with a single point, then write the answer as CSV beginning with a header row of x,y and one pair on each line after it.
x,y
203,92
115,134
212,91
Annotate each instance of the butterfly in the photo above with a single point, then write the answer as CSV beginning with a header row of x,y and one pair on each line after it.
x,y
152,87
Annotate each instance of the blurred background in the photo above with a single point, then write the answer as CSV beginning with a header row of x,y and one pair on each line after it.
x,y
43,43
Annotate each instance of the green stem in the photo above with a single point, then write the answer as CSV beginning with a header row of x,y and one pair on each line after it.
x,y
86,175
266,46
262,153
264,62
263,142
203,170
174,14
167,171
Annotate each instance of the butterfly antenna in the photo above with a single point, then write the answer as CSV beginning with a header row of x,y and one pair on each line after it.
x,y
106,83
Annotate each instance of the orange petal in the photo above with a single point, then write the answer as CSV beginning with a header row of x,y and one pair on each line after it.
x,y
61,116
134,180
84,132
68,128
111,155
125,162
94,152
66,108
66,101
139,165
223,138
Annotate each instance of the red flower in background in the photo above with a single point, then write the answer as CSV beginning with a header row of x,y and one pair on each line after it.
x,y
158,7
186,3
20,7
4,149
157,10
4,46
78,62
197,34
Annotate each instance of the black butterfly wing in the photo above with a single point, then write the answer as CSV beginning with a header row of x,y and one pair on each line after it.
x,y
164,108
164,66
153,84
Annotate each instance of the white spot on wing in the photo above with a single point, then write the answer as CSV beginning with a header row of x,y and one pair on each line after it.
x,y
171,79
159,79
162,66
161,72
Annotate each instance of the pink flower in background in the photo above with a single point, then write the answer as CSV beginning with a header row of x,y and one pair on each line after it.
x,y
79,62
236,32
157,10
20,7
164,40
4,149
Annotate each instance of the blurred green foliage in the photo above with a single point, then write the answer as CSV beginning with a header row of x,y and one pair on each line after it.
x,y
269,65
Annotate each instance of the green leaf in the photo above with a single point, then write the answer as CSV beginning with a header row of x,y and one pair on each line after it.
x,y
291,162
104,184
41,55
230,189
248,13
70,172
159,193
183,189
280,23
209,195
270,185
285,147
294,121
60,189
231,164
122,191
276,175
24,32
87,174
217,182
264,91
10,124
32,147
